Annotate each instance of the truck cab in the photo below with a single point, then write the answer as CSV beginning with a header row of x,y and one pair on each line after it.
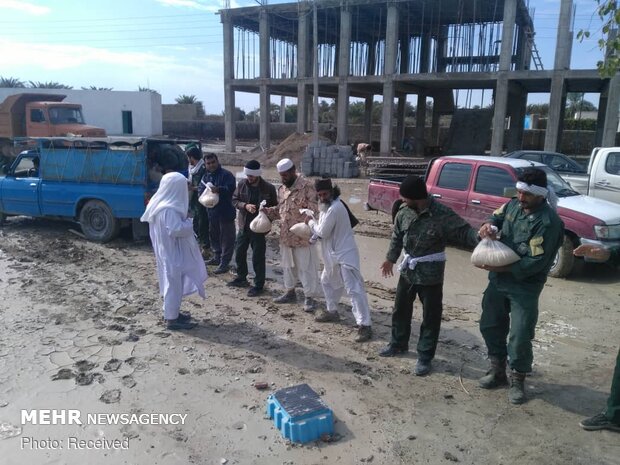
x,y
20,194
603,178
40,115
44,119
102,183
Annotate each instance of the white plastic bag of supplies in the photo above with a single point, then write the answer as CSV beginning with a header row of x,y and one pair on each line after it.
x,y
493,253
208,198
261,223
302,229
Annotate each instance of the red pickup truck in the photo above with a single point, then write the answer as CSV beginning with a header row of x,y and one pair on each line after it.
x,y
474,186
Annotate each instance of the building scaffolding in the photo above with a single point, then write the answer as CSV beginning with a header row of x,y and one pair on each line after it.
x,y
396,48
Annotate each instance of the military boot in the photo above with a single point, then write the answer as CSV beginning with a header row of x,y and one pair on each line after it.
x,y
496,376
516,393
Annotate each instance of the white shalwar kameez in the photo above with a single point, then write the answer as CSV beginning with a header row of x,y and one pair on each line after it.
x,y
341,261
180,267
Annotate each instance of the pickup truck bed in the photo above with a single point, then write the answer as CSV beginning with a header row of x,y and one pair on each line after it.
x,y
103,183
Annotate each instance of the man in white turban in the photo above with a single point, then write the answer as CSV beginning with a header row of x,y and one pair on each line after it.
x,y
180,267
299,258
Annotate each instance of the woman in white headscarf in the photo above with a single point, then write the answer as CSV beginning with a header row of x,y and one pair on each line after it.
x,y
180,267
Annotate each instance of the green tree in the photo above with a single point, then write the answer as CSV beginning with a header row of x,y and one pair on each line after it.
x,y
290,115
11,82
327,111
146,89
239,114
252,115
541,109
356,113
609,13
186,99
47,85
575,104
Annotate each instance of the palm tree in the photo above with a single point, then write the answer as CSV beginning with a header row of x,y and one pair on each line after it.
x,y
48,85
186,99
146,89
11,82
96,88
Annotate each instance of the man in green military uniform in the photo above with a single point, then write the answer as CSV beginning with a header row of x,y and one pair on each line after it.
x,y
422,227
530,226
610,418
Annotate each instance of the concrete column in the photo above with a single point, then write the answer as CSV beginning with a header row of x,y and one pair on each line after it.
x,y
435,124
391,50
283,109
420,123
517,101
264,125
401,107
557,104
391,39
601,114
265,116
613,106
564,44
508,24
499,115
342,109
302,107
344,59
303,68
264,58
387,118
229,93
501,84
368,103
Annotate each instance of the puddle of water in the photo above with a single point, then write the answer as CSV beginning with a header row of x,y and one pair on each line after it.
x,y
8,430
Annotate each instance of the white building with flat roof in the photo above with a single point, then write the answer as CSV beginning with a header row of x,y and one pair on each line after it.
x,y
118,112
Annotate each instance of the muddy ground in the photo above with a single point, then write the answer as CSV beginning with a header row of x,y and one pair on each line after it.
x,y
80,330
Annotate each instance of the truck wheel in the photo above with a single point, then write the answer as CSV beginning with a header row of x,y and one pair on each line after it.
x,y
564,260
98,222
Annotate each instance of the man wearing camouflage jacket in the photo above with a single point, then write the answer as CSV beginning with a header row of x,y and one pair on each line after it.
x,y
422,227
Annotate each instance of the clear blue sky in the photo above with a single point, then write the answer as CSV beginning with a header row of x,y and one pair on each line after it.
x,y
174,46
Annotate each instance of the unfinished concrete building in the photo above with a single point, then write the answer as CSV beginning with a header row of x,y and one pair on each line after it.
x,y
343,49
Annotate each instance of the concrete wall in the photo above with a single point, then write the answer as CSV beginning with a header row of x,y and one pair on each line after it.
x,y
573,142
180,112
104,108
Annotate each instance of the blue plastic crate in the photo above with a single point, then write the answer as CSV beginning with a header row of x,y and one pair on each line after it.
x,y
300,414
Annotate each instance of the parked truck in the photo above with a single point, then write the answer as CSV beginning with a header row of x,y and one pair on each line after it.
x,y
40,115
603,177
104,184
474,186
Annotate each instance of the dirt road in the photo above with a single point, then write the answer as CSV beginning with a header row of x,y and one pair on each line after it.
x,y
80,330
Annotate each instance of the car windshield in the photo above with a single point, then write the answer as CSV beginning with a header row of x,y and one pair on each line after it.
x,y
66,115
561,187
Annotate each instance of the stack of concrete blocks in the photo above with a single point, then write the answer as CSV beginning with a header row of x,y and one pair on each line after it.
x,y
334,161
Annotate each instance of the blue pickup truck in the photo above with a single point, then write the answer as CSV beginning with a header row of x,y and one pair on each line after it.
x,y
104,183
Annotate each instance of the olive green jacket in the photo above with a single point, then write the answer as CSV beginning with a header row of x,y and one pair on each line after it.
x,y
427,233
535,237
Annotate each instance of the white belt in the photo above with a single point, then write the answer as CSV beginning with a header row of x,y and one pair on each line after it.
x,y
411,262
